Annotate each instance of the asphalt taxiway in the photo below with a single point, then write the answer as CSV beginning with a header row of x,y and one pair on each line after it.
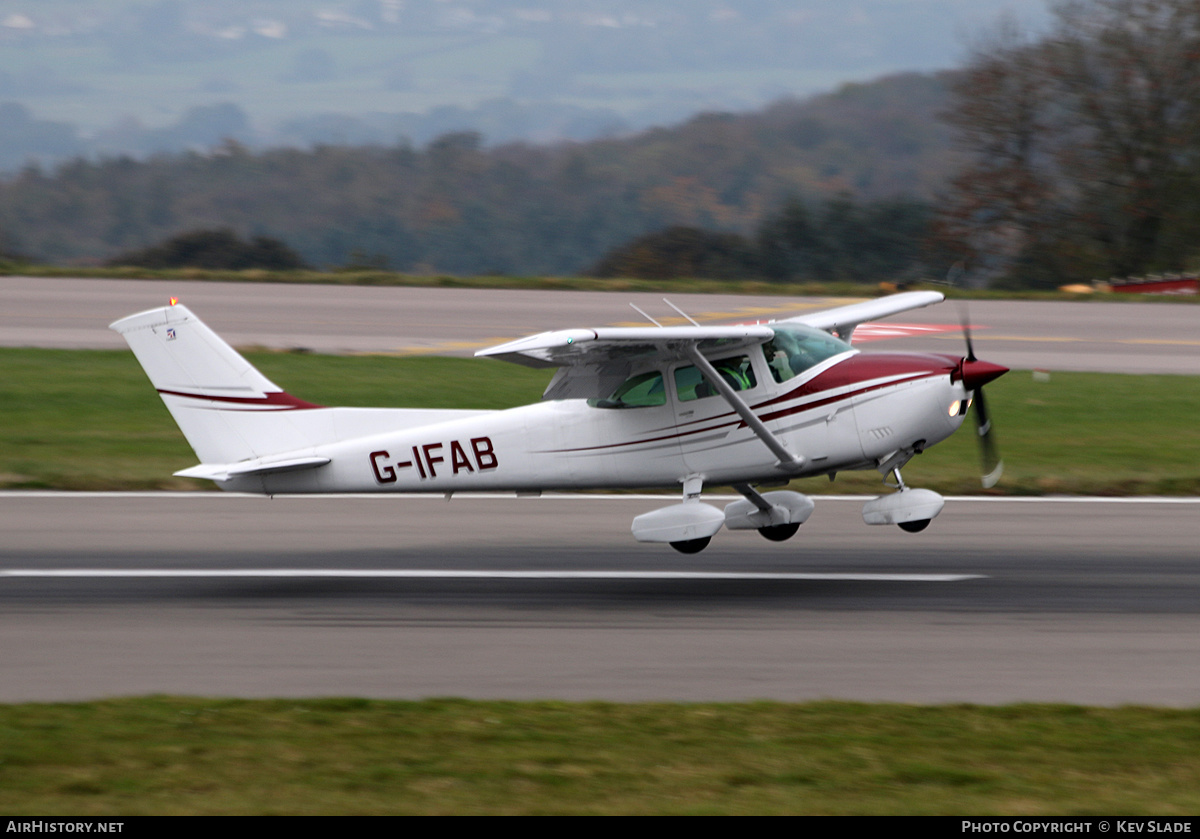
x,y
1024,335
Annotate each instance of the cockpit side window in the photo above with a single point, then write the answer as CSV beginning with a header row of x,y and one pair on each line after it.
x,y
644,390
794,349
737,372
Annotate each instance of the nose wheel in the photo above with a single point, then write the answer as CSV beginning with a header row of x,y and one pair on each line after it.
x,y
909,509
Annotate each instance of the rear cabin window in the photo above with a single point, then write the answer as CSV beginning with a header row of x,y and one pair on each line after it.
x,y
644,390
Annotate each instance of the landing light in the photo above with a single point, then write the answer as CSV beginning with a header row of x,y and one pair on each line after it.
x,y
955,407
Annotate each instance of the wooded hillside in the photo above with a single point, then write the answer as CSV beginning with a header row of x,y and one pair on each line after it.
x,y
456,206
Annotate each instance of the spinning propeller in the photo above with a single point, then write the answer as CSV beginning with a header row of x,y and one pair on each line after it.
x,y
975,374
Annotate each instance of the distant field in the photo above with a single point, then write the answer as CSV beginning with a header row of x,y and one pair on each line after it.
x,y
680,285
172,756
91,420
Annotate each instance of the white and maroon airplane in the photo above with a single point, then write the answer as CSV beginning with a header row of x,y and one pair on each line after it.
x,y
744,405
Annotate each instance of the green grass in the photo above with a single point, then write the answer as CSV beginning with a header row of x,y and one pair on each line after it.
x,y
91,420
1080,433
165,755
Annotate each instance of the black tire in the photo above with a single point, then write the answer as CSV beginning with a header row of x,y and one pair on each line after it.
x,y
914,526
779,532
692,546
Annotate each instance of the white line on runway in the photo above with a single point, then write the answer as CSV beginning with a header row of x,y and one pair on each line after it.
x,y
566,496
424,574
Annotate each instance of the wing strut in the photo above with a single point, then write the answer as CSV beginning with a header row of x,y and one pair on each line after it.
x,y
753,496
787,460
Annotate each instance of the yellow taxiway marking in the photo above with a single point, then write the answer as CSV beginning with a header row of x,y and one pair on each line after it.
x,y
439,348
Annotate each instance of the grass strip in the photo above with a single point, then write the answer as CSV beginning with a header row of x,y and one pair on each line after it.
x,y
89,420
171,755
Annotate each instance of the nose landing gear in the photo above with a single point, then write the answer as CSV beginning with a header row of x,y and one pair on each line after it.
x,y
910,509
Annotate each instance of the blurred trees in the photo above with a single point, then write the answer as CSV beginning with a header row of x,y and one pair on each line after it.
x,y
839,239
1085,144
215,249
846,240
682,252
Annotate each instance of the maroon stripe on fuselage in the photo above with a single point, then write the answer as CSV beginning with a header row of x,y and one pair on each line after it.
x,y
277,399
855,369
864,368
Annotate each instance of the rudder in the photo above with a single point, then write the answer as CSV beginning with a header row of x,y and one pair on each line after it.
x,y
216,396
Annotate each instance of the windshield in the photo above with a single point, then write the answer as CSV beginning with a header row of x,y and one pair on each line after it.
x,y
795,348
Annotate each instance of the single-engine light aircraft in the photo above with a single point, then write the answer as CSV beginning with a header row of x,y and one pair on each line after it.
x,y
750,406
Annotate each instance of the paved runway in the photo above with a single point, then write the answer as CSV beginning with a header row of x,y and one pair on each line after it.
x,y
1095,602
1090,336
999,601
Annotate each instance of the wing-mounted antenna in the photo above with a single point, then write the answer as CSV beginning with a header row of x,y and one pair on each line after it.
x,y
646,316
686,316
681,311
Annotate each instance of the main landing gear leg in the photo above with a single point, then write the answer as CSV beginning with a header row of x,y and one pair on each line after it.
x,y
775,515
691,495
686,527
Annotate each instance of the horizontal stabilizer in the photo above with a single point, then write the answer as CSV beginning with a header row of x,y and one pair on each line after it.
x,y
258,466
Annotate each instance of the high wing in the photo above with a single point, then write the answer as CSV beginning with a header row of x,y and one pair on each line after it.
x,y
594,361
842,320
564,347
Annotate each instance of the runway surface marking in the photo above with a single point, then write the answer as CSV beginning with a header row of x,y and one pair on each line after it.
x,y
430,574
556,496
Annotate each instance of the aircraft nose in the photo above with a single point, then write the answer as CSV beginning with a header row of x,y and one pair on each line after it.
x,y
976,373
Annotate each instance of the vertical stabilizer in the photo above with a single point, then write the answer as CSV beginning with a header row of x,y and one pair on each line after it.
x,y
227,410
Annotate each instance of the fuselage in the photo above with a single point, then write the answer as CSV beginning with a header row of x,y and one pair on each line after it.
x,y
848,411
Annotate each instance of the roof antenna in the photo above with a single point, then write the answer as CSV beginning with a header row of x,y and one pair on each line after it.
x,y
646,316
681,311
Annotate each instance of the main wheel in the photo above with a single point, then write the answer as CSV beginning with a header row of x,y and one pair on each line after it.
x,y
914,526
779,532
692,546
